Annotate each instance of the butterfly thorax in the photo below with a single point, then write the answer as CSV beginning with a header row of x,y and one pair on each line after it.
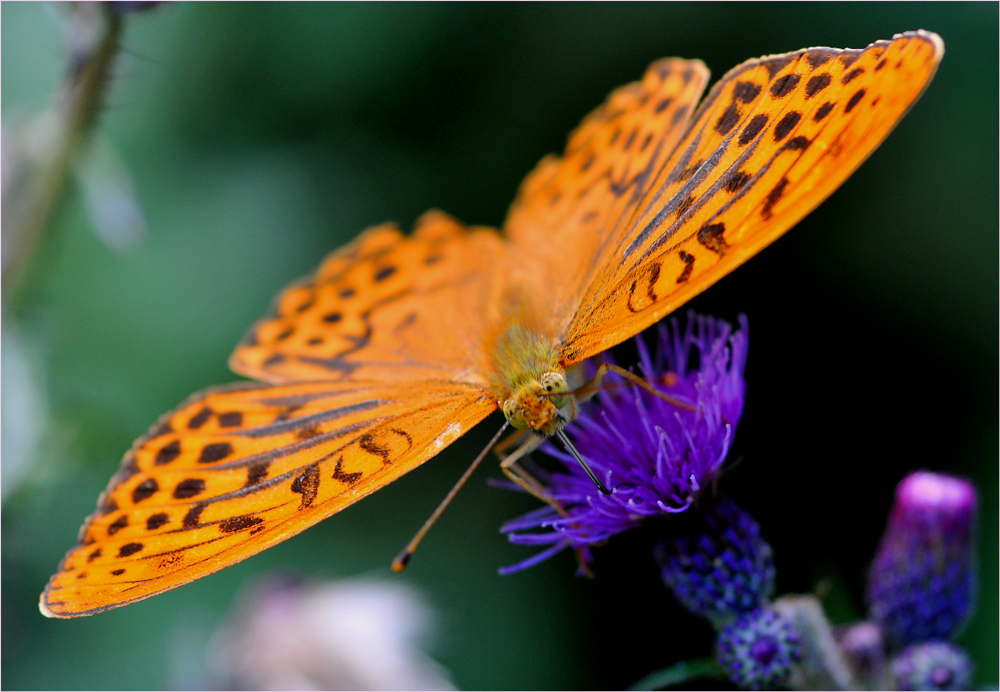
x,y
528,381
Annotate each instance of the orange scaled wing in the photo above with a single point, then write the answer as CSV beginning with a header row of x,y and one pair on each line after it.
x,y
385,307
569,209
774,138
236,469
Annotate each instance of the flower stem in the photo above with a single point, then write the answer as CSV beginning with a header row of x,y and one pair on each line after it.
x,y
681,672
93,39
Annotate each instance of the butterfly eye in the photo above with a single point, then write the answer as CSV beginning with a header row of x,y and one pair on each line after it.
x,y
514,415
554,385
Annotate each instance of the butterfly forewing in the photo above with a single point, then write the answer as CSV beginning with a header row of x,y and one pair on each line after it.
x,y
570,207
237,469
772,140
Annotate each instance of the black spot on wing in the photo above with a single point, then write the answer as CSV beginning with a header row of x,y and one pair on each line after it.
x,y
189,487
796,143
306,484
155,521
193,516
818,57
817,83
130,549
384,273
776,65
772,198
199,419
230,419
734,180
786,125
630,138
340,475
850,76
727,121
167,453
256,472
235,524
854,100
215,451
144,490
746,91
752,129
784,85
712,237
661,106
823,111
117,525
688,259
848,58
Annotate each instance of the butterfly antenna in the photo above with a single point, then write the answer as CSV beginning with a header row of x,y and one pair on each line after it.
x,y
401,560
576,455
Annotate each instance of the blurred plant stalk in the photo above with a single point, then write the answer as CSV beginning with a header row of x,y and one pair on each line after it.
x,y
38,154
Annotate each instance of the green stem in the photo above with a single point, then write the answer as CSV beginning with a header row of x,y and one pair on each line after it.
x,y
69,121
680,673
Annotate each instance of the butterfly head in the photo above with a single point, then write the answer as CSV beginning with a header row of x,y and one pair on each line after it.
x,y
537,405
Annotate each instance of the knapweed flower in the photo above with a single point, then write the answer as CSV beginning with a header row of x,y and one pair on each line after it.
x,y
655,456
931,665
922,580
716,561
758,650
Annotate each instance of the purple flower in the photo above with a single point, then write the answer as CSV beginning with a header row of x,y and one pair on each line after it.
x,y
923,578
715,561
655,456
931,665
758,650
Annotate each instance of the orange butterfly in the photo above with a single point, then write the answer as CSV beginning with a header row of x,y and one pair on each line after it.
x,y
398,345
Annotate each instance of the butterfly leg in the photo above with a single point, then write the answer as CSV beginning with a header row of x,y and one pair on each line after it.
x,y
595,384
532,485
520,475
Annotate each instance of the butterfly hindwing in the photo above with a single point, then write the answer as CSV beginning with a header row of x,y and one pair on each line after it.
x,y
237,469
772,140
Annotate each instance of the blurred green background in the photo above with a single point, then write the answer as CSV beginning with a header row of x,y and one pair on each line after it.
x,y
260,136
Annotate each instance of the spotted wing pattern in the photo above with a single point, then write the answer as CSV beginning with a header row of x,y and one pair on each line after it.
x,y
237,469
385,307
772,140
570,207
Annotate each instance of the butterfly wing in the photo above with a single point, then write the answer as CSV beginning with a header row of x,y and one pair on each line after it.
x,y
569,207
236,469
772,140
385,307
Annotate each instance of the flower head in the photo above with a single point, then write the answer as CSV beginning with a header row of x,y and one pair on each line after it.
x,y
923,578
758,650
933,665
654,455
716,562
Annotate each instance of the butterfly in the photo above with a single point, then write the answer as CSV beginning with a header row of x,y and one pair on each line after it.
x,y
397,345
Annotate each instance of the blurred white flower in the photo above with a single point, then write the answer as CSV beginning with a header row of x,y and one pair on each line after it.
x,y
359,634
